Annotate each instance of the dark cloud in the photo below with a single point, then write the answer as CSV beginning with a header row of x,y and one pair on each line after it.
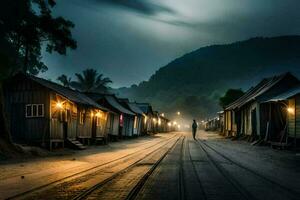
x,y
128,40
139,6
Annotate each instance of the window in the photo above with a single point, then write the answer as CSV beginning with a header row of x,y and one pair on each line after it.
x,y
34,110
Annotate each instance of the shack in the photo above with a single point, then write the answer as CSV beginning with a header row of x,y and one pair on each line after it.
x,y
148,124
284,125
120,120
138,120
164,124
248,115
47,113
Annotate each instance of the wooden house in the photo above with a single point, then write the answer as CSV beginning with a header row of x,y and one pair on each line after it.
x,y
45,113
156,122
164,124
285,112
213,124
248,115
120,120
148,122
138,119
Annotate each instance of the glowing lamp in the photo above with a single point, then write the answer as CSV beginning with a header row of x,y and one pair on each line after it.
x,y
159,121
291,110
59,105
162,114
169,124
98,114
178,113
92,114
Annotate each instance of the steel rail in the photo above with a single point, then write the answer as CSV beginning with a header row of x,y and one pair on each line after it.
x,y
293,193
196,173
87,192
137,188
245,193
28,192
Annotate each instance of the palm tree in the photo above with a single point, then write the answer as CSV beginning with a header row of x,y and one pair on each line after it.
x,y
64,80
91,81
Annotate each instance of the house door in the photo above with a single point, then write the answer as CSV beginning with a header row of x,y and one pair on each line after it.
x,y
64,115
18,126
94,128
254,123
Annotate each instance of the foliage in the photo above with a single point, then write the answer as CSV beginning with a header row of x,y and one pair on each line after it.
x,y
91,81
27,26
65,80
230,96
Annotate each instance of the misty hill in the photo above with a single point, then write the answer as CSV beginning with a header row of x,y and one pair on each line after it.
x,y
194,82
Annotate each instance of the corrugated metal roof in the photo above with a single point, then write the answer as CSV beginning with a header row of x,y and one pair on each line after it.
x,y
70,94
114,103
145,107
135,108
256,91
286,95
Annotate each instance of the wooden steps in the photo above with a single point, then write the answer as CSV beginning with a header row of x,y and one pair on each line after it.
x,y
75,144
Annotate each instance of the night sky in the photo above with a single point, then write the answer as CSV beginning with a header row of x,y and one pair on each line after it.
x,y
128,40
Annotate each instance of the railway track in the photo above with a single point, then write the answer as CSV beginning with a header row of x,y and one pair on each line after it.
x,y
181,184
246,194
235,183
138,186
196,173
93,169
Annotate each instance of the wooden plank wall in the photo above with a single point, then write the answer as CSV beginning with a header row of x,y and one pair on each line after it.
x,y
100,130
69,111
84,130
297,114
18,93
116,124
291,118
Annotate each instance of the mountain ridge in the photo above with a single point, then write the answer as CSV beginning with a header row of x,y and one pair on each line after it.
x,y
204,74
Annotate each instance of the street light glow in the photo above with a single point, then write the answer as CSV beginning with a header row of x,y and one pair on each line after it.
x,y
178,113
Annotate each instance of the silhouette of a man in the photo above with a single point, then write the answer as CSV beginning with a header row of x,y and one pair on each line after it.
x,y
194,129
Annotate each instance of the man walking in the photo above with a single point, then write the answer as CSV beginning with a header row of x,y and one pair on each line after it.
x,y
194,127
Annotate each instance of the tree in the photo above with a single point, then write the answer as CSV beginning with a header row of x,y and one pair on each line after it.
x,y
25,27
91,81
65,80
230,96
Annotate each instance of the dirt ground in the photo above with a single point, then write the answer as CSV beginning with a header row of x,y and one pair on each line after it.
x,y
24,174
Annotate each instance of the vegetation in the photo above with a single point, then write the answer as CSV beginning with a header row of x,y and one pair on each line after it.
x,y
230,96
65,80
91,81
25,27
208,72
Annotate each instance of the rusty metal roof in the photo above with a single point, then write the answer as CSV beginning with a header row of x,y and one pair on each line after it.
x,y
68,93
112,100
286,95
134,107
145,107
254,92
